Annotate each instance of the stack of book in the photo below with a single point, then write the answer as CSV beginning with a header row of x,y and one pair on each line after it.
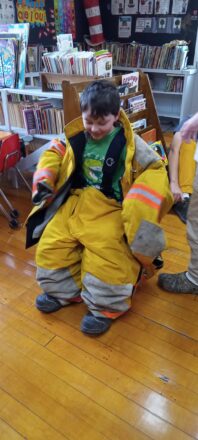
x,y
172,55
174,84
37,117
71,62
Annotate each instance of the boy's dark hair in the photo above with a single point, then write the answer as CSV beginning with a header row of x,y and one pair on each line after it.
x,y
101,97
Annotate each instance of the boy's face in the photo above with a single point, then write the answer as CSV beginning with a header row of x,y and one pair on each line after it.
x,y
98,127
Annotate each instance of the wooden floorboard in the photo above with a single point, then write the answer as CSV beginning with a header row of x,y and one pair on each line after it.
x,y
139,381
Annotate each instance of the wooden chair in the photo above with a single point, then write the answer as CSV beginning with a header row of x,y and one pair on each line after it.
x,y
10,154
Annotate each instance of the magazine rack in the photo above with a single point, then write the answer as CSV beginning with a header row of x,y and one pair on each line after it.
x,y
53,81
71,103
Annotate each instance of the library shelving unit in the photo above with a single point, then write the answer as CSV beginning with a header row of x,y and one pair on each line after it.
x,y
171,104
49,83
27,91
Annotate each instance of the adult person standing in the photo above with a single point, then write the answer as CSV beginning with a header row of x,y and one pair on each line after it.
x,y
187,282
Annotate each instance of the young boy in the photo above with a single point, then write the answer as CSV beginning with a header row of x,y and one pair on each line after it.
x,y
101,234
182,172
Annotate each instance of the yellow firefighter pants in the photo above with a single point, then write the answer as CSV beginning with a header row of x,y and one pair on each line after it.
x,y
83,250
187,166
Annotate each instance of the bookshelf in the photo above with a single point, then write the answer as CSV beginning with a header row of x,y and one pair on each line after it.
x,y
174,105
171,104
27,91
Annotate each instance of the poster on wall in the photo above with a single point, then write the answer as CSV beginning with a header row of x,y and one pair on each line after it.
x,y
145,24
162,24
7,11
64,15
162,6
177,22
131,7
146,7
40,15
124,26
57,18
179,6
68,24
119,7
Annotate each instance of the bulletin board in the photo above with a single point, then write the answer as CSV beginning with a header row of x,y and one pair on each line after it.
x,y
40,15
179,26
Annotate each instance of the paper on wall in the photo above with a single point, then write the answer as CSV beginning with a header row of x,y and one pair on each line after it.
x,y
124,26
162,6
146,7
117,7
179,6
131,7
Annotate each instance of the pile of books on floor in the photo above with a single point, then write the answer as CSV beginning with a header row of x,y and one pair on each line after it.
x,y
171,55
37,117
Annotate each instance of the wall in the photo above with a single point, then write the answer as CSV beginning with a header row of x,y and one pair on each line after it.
x,y
110,27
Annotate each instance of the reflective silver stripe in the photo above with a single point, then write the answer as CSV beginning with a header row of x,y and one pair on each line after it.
x,y
146,194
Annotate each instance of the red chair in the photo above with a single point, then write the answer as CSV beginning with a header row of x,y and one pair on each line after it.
x,y
10,154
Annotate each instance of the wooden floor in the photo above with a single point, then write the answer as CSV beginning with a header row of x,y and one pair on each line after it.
x,y
138,381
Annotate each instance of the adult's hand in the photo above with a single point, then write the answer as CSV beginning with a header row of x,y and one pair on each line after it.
x,y
176,191
190,128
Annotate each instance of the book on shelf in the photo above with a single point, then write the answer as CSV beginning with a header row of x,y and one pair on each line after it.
x,y
174,84
140,124
20,32
171,55
123,89
131,80
149,136
8,62
136,103
64,41
103,63
36,117
84,63
34,62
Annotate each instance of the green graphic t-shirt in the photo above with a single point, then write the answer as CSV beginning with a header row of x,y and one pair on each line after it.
x,y
93,160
